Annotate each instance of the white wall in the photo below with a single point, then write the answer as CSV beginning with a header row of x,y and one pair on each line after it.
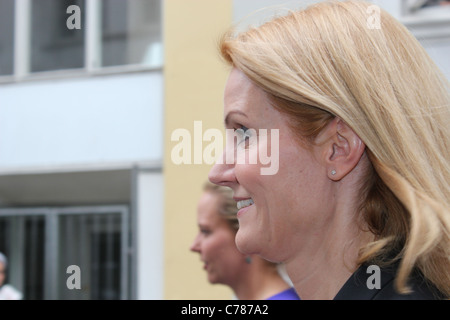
x,y
255,12
150,235
104,119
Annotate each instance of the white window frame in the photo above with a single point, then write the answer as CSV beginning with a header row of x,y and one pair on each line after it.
x,y
92,54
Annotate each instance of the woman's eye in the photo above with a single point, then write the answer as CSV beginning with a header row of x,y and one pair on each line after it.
x,y
243,134
205,232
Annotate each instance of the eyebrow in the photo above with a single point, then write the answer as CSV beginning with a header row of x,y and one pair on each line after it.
x,y
227,118
203,226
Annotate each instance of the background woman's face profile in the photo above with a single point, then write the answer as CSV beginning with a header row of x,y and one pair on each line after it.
x,y
215,242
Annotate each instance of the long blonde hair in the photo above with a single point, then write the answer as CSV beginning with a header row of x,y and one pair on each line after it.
x,y
326,61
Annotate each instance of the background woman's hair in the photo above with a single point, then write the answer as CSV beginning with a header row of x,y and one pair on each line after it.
x,y
326,61
227,206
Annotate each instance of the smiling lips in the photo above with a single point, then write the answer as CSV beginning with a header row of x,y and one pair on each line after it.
x,y
244,203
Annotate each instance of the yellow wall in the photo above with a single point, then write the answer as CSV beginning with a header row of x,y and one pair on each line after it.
x,y
194,82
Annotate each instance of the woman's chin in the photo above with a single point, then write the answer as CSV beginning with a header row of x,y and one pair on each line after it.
x,y
246,243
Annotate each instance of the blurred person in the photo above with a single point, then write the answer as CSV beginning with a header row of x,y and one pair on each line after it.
x,y
249,276
360,205
7,292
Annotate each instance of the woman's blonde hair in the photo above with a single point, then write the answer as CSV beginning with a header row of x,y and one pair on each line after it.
x,y
328,61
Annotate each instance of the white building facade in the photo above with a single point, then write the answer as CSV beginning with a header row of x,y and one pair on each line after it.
x,y
81,138
81,91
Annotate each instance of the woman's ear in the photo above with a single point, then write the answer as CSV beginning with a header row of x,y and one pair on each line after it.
x,y
340,149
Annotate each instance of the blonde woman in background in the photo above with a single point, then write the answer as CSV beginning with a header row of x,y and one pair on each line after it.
x,y
359,208
249,277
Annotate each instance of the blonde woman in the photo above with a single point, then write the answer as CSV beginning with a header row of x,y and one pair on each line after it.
x,y
249,277
359,208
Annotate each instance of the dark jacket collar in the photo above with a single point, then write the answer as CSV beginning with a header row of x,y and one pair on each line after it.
x,y
357,288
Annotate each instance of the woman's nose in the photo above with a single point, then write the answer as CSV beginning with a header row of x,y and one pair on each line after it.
x,y
195,246
222,173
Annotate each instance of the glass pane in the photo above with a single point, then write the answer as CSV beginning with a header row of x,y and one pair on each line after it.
x,y
93,243
53,45
434,3
131,32
34,256
6,36
22,240
414,5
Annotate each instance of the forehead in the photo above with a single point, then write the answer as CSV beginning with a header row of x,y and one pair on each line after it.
x,y
239,87
237,81
208,209
242,97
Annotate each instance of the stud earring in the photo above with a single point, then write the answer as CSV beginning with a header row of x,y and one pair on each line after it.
x,y
248,259
333,172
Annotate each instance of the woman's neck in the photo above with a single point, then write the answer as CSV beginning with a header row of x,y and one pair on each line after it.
x,y
259,283
319,273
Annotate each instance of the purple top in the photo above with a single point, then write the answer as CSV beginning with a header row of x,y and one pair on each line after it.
x,y
289,294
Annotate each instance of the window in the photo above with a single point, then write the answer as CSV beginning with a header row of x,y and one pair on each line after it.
x,y
429,20
130,32
41,243
6,36
415,5
426,8
37,36
53,45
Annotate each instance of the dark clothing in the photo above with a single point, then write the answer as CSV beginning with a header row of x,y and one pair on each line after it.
x,y
357,287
